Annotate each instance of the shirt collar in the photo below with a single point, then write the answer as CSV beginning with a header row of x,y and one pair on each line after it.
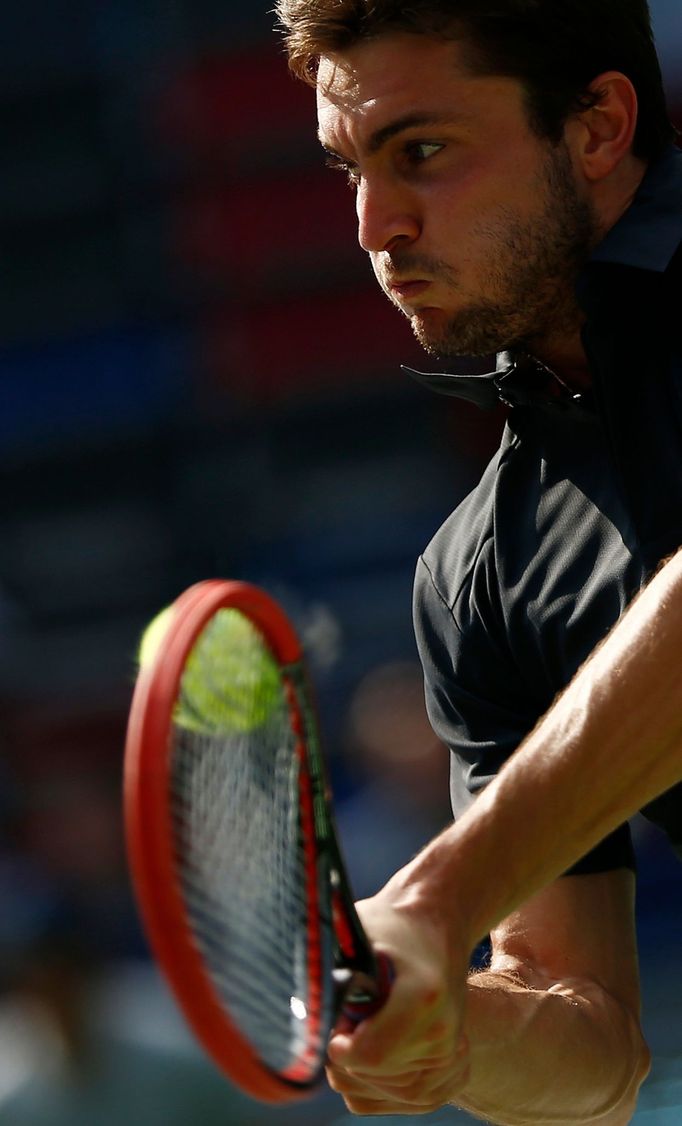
x,y
518,381
650,231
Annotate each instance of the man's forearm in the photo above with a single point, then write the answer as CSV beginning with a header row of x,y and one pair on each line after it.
x,y
562,1055
611,743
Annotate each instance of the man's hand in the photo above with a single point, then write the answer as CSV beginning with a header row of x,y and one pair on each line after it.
x,y
411,1057
552,1026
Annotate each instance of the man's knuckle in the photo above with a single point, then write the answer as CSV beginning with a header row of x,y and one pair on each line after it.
x,y
440,1031
364,1106
337,1082
374,1057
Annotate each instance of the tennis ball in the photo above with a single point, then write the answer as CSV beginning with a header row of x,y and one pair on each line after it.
x,y
151,639
231,682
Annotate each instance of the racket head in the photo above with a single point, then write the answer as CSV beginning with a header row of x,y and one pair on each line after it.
x,y
232,988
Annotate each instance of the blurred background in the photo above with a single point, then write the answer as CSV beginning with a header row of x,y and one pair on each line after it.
x,y
199,378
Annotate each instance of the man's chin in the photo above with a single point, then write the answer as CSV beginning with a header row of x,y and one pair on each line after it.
x,y
438,332
431,328
442,341
451,337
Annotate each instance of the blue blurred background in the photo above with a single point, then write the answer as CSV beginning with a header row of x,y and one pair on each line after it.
x,y
198,377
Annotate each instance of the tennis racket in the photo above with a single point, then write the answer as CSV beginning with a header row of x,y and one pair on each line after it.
x,y
232,847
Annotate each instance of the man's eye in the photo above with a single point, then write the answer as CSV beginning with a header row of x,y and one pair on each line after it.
x,y
419,151
350,171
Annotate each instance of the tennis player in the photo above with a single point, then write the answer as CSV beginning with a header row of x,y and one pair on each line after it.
x,y
518,192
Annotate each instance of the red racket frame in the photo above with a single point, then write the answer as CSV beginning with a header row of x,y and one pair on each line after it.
x,y
149,832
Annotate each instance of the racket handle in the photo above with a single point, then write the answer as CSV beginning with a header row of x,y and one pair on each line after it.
x,y
364,995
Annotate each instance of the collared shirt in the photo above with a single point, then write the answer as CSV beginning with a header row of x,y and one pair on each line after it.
x,y
581,502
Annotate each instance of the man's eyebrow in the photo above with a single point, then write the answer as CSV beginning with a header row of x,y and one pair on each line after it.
x,y
386,133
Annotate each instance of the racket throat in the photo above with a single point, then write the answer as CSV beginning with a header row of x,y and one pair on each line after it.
x,y
360,994
356,973
353,953
355,987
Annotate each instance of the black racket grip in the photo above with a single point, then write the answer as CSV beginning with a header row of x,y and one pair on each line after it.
x,y
364,995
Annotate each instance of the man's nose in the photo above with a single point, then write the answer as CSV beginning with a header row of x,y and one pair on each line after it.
x,y
385,215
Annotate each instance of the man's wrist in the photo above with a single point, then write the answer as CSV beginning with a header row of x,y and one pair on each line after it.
x,y
434,888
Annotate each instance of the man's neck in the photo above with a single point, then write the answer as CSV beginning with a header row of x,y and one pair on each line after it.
x,y
565,355
561,349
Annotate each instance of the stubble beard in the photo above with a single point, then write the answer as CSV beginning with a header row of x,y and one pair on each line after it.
x,y
530,288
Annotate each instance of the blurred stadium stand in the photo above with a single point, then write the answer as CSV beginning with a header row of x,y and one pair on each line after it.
x,y
198,377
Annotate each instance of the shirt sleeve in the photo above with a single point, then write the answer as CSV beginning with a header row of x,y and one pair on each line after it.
x,y
478,701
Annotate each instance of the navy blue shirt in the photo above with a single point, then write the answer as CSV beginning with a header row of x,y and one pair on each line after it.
x,y
579,505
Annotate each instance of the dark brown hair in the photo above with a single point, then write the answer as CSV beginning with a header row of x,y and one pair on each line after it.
x,y
556,48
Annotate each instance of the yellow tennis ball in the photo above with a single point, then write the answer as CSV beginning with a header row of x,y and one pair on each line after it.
x,y
231,682
153,636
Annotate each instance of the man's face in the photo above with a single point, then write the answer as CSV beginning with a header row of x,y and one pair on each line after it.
x,y
475,226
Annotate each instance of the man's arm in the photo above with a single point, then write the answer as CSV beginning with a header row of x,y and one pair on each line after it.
x,y
563,985
611,743
552,1025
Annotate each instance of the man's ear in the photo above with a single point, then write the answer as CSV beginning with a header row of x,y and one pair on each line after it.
x,y
602,136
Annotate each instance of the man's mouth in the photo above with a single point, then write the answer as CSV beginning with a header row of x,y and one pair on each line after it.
x,y
408,290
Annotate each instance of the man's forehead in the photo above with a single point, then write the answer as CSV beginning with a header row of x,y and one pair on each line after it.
x,y
391,78
337,79
385,65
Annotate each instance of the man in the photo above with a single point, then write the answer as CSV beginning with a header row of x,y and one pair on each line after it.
x,y
517,191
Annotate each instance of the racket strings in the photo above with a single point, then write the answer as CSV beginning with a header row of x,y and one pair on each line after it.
x,y
239,846
206,837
